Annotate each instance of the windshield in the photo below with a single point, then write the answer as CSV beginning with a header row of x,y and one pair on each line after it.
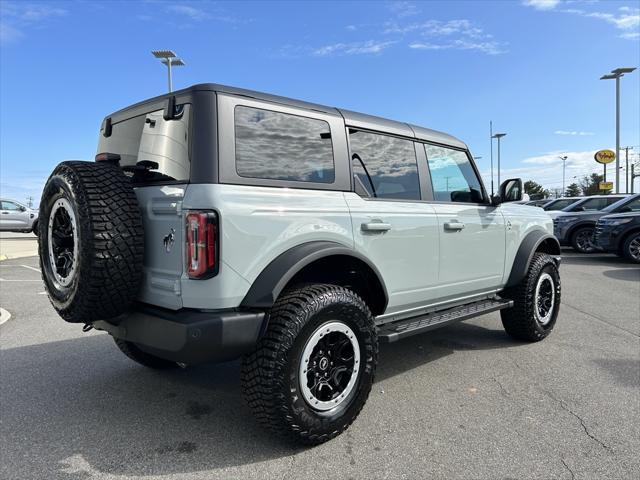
x,y
631,204
153,139
560,203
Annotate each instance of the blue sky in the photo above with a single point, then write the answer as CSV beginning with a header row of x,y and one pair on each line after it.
x,y
532,66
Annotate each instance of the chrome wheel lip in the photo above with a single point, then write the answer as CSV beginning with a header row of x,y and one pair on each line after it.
x,y
58,280
318,334
543,316
634,248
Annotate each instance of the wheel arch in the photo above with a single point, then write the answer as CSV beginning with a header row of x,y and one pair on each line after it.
x,y
534,242
322,262
574,228
625,236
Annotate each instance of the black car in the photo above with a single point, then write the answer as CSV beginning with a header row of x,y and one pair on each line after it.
x,y
619,233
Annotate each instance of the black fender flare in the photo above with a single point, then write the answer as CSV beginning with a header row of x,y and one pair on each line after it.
x,y
530,245
274,277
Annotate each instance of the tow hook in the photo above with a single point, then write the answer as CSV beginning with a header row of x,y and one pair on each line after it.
x,y
87,327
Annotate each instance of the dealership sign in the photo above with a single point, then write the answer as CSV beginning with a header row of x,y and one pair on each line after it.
x,y
605,185
605,156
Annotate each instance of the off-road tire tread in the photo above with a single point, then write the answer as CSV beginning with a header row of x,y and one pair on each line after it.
x,y
519,321
143,358
263,375
112,248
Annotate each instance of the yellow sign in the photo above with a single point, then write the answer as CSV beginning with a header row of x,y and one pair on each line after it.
x,y
605,185
605,156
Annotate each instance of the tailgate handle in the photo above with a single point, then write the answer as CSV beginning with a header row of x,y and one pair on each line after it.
x,y
375,227
453,226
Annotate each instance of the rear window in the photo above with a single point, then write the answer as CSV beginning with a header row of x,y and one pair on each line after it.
x,y
280,146
152,138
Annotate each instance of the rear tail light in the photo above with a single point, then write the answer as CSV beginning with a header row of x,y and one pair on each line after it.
x,y
202,244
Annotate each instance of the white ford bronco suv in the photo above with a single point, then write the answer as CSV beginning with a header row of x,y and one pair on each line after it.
x,y
219,223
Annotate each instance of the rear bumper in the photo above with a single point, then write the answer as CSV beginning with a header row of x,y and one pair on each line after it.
x,y
189,336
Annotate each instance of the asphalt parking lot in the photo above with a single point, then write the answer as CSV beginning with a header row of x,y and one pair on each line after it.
x,y
462,402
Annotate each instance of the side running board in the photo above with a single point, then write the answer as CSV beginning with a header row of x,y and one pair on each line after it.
x,y
392,332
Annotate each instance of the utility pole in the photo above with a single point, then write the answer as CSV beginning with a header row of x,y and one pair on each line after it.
x,y
626,172
29,201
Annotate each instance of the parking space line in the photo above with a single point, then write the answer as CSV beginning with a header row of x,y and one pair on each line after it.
x,y
5,280
31,268
4,315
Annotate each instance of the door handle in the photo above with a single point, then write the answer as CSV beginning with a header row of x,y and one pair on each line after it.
x,y
375,227
5,213
453,226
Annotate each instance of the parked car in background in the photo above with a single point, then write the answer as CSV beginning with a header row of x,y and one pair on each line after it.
x,y
589,204
538,203
16,217
560,203
619,233
577,228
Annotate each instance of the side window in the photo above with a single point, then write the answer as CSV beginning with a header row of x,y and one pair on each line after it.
x,y
452,176
10,206
384,166
632,206
594,204
280,146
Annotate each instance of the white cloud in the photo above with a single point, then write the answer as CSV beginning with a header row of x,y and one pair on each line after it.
x,y
488,47
541,4
626,18
353,48
191,12
404,9
17,17
574,132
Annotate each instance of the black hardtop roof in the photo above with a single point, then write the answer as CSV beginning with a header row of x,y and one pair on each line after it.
x,y
352,119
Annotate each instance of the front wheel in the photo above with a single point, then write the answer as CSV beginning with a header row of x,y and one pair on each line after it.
x,y
536,301
582,240
631,247
312,371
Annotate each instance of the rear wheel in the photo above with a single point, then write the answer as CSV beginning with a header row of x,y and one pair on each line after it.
x,y
631,247
90,241
311,373
582,240
536,301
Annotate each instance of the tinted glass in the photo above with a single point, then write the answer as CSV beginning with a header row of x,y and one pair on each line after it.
x,y
151,137
388,168
559,204
593,204
624,205
280,146
452,176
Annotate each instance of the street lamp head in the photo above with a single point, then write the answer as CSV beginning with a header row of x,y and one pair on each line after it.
x,y
175,62
622,70
610,77
499,135
563,157
163,53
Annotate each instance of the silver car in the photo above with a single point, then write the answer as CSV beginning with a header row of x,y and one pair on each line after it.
x,y
16,217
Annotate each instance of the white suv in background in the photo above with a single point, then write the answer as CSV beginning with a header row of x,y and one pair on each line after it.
x,y
16,217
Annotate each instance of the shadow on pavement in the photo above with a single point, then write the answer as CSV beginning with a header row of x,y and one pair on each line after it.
x,y
88,410
629,274
597,259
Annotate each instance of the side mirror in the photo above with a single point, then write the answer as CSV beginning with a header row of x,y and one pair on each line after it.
x,y
511,190
23,209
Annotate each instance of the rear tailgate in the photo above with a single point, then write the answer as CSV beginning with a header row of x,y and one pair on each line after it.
x,y
161,206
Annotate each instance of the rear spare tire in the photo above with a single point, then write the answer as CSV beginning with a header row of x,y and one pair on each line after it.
x,y
90,241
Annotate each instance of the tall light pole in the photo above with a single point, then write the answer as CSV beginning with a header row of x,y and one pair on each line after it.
x,y
498,136
564,164
491,140
169,58
615,75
